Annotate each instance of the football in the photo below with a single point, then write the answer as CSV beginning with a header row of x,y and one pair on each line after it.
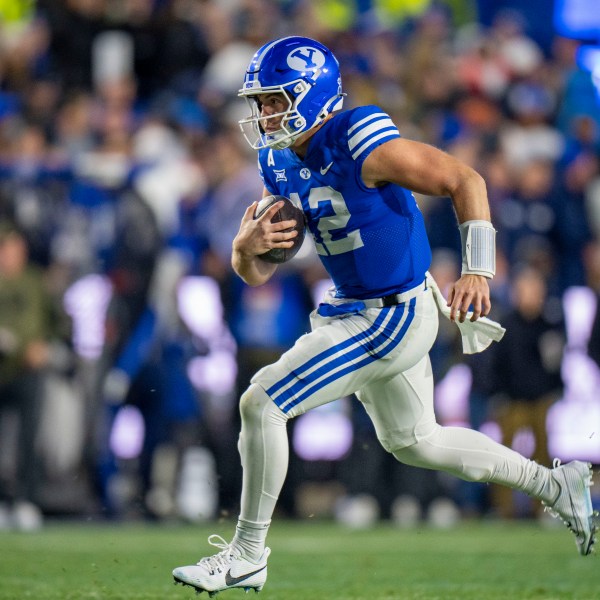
x,y
288,211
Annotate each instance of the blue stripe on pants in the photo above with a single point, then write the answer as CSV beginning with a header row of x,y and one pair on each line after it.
x,y
373,350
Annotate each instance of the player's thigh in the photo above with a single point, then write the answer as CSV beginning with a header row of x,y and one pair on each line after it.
x,y
343,355
401,408
319,368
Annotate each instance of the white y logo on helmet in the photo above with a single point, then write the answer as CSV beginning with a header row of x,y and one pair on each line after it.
x,y
305,58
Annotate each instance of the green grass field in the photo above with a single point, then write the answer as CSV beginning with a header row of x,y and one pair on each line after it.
x,y
506,561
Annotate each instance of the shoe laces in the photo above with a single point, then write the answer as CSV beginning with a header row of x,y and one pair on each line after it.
x,y
547,508
221,560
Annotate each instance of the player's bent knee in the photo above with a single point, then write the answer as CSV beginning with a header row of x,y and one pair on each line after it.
x,y
255,403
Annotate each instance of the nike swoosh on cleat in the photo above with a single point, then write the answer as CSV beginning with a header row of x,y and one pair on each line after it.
x,y
323,170
229,580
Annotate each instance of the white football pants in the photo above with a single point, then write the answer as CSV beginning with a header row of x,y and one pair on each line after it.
x,y
381,355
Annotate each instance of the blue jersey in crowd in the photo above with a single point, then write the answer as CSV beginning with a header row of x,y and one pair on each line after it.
x,y
372,241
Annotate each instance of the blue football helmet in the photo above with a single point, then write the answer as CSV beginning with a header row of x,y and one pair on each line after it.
x,y
307,73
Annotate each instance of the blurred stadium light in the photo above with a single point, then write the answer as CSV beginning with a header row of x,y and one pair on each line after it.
x,y
86,302
588,58
577,19
573,421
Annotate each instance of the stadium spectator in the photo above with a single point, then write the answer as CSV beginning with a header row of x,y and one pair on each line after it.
x,y
26,329
528,219
521,54
428,77
74,25
573,230
233,180
526,378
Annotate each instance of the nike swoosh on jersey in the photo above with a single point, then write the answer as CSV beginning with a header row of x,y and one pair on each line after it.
x,y
324,170
229,580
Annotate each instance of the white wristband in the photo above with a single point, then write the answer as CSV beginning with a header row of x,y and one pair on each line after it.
x,y
478,241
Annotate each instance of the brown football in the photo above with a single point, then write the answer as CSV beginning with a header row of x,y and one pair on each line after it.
x,y
287,212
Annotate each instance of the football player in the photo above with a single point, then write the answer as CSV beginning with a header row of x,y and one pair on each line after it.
x,y
353,174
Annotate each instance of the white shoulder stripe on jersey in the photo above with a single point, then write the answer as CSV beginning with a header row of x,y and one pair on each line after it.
x,y
390,133
379,115
365,132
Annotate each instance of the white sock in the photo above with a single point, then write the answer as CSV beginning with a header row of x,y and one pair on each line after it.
x,y
250,538
473,456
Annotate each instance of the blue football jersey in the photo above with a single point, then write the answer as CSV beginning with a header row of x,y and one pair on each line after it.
x,y
372,241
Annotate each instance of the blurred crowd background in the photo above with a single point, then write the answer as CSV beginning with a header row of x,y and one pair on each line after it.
x,y
125,338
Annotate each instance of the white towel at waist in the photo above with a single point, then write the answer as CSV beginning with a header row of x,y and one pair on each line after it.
x,y
476,335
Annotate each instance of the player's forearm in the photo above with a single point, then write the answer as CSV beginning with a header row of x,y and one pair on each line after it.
x,y
251,269
469,197
477,233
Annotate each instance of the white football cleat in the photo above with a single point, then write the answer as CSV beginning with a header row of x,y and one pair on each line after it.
x,y
223,571
574,502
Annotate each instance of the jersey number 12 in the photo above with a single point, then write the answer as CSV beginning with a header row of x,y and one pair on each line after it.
x,y
330,225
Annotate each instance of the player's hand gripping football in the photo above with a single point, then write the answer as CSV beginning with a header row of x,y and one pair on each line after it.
x,y
257,236
469,290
